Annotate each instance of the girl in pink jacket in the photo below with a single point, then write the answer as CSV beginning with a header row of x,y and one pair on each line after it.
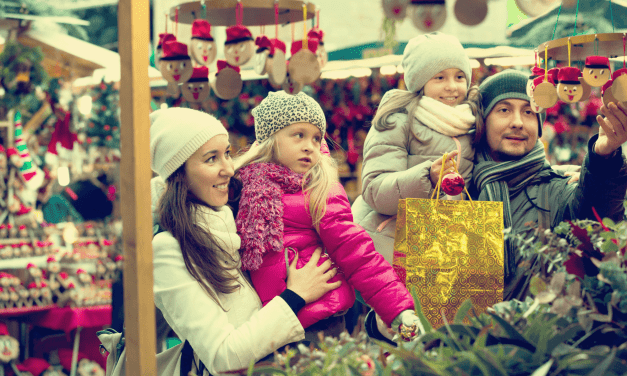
x,y
292,203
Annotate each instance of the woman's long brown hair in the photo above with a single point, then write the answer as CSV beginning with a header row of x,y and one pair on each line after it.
x,y
205,259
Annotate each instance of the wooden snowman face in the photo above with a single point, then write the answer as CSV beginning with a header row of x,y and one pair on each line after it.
x,y
290,86
196,92
176,71
203,51
427,17
262,61
87,367
596,77
534,106
238,54
9,349
277,68
569,92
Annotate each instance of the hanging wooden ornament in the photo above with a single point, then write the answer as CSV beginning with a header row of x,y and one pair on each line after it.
x,y
203,47
619,87
239,45
321,52
569,88
197,89
607,95
163,37
544,94
471,12
597,70
304,67
277,70
427,15
395,9
290,86
535,73
586,90
175,65
534,106
264,49
227,83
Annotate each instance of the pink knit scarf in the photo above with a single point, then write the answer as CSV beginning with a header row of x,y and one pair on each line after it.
x,y
260,217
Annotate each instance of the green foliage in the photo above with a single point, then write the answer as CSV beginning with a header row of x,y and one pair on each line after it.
x,y
15,56
573,322
103,124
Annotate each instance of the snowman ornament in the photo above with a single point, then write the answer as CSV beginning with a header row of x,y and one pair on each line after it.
x,y
202,47
163,37
304,67
569,87
264,50
597,70
321,53
197,89
239,45
175,65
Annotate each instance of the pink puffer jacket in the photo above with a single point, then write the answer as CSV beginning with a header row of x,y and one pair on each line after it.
x,y
349,247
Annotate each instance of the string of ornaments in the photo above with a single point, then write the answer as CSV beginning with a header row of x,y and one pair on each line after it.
x,y
570,85
430,15
186,68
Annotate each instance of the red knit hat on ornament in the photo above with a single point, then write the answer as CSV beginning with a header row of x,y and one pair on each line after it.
x,y
199,74
278,44
4,331
201,29
606,86
569,75
316,33
33,365
597,62
173,50
165,37
237,34
312,45
264,43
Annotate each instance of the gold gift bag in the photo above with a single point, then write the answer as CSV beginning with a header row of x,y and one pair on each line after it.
x,y
450,251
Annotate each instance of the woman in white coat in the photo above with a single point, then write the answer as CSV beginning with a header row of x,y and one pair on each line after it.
x,y
198,284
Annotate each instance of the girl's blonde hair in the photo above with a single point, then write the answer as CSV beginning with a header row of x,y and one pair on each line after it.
x,y
403,101
317,182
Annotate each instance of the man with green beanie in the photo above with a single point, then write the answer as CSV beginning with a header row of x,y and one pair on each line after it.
x,y
510,166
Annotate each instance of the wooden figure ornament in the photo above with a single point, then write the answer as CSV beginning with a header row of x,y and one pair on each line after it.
x,y
544,93
277,70
304,67
607,95
290,86
175,65
321,52
33,367
227,83
395,9
585,88
239,45
597,70
427,15
264,50
163,37
619,87
9,350
569,88
535,73
197,89
203,47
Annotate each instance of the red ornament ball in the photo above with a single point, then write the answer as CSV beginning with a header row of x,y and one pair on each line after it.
x,y
91,125
109,138
106,127
88,140
453,184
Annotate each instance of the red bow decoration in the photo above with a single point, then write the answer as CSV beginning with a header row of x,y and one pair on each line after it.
x,y
223,64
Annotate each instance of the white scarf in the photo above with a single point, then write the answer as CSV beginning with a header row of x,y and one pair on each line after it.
x,y
444,119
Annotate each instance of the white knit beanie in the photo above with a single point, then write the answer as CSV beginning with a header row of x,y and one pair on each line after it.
x,y
429,54
175,134
280,109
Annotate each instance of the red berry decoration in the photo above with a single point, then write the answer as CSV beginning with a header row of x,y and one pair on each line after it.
x,y
453,184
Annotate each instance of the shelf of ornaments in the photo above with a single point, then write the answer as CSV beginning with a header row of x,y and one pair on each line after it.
x,y
58,275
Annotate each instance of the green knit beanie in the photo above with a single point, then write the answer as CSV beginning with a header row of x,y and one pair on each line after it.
x,y
508,84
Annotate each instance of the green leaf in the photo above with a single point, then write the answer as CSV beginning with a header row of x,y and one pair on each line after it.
x,y
543,369
423,319
510,330
462,311
609,246
569,334
266,370
603,366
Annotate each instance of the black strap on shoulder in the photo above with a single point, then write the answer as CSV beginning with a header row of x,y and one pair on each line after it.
x,y
187,361
156,229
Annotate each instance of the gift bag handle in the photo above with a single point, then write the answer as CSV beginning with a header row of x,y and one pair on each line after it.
x,y
436,191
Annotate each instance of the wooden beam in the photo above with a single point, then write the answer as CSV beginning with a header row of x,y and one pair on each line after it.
x,y
139,307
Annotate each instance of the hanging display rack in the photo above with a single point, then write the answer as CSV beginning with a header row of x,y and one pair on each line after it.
x,y
609,44
258,12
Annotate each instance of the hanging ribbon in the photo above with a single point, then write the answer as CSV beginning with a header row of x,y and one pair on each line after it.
x,y
546,61
305,27
535,58
318,19
176,22
569,52
239,13
276,19
623,50
596,45
292,32
204,10
576,14
166,22
612,16
558,18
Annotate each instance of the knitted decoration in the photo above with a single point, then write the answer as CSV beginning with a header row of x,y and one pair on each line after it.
x,y
260,218
32,175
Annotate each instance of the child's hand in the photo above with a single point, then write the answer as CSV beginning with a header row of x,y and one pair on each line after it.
x,y
434,171
310,281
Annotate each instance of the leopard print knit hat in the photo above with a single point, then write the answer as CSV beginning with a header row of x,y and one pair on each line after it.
x,y
280,109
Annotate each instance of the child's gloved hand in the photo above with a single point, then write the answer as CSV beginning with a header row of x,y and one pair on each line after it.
x,y
408,325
